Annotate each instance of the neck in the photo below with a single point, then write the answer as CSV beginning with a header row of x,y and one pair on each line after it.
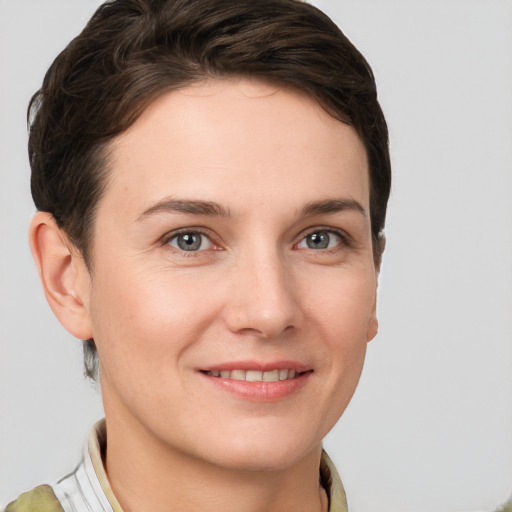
x,y
147,475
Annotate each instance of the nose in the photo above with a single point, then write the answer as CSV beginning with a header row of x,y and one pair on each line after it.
x,y
262,296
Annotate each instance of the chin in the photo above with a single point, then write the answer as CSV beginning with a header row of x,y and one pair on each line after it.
x,y
261,460
264,450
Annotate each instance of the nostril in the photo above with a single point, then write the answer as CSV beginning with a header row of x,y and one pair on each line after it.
x,y
266,333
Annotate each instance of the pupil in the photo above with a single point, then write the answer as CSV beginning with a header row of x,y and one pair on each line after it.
x,y
318,240
189,242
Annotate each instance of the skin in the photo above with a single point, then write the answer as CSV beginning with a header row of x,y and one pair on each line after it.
x,y
279,170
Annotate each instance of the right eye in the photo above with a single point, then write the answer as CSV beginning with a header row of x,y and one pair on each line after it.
x,y
322,239
190,241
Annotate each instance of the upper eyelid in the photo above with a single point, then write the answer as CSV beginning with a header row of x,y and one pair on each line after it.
x,y
329,229
165,239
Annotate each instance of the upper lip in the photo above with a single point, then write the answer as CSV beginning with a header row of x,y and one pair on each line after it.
x,y
258,366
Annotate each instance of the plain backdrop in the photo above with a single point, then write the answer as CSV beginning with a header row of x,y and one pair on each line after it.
x,y
430,426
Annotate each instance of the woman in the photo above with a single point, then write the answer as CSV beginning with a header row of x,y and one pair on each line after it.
x,y
211,179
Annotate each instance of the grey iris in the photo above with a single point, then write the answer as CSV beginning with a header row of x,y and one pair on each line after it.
x,y
318,240
189,241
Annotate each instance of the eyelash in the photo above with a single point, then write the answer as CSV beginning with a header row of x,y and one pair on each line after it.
x,y
344,237
166,240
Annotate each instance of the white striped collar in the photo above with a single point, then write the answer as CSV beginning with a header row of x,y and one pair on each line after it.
x,y
87,489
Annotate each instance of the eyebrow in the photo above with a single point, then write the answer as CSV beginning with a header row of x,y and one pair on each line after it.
x,y
194,207
332,206
210,208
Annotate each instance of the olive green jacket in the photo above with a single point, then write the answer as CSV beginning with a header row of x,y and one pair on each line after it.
x,y
40,499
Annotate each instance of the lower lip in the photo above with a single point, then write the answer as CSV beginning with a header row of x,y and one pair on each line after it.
x,y
260,391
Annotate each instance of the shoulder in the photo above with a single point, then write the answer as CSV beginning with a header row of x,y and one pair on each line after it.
x,y
39,499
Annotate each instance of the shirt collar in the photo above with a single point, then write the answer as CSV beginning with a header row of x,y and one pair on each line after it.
x,y
96,446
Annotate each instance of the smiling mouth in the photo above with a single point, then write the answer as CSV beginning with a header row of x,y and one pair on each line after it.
x,y
256,375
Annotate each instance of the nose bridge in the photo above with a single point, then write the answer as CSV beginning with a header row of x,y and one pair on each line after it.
x,y
262,299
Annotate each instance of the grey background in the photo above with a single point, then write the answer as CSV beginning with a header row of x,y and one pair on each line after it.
x,y
430,427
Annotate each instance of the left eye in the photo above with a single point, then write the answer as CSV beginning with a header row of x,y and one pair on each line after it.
x,y
190,241
320,240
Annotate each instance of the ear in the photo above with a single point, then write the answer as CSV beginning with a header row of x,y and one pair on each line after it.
x,y
63,273
373,324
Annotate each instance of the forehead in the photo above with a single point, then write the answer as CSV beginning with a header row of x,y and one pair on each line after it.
x,y
236,138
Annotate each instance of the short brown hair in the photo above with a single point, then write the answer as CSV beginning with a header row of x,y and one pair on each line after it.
x,y
132,51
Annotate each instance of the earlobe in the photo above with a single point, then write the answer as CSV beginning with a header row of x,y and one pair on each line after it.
x,y
63,274
372,327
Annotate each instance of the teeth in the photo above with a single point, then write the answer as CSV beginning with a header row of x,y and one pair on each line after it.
x,y
283,374
255,375
238,374
272,376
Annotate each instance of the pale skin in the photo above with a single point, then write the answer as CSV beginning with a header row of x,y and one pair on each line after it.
x,y
234,234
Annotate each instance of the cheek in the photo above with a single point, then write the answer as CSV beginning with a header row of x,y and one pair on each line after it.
x,y
345,334
344,307
343,314
142,321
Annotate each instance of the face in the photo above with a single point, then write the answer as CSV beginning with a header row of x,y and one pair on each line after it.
x,y
233,286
